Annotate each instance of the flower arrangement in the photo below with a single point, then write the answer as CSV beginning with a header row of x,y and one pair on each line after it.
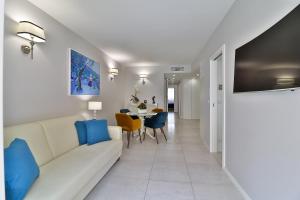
x,y
134,99
142,106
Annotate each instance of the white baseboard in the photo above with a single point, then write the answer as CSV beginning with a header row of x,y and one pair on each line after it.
x,y
237,185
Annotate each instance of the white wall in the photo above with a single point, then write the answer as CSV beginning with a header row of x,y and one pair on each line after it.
x,y
185,94
195,105
2,190
155,84
38,89
189,98
262,128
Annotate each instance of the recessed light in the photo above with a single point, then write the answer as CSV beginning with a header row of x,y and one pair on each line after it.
x,y
174,75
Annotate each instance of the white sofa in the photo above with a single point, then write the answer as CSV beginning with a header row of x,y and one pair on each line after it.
x,y
67,170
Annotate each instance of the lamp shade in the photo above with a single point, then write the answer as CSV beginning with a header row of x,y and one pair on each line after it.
x,y
114,71
31,31
95,105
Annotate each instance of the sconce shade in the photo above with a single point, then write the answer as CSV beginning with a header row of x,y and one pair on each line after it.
x,y
114,71
31,31
95,105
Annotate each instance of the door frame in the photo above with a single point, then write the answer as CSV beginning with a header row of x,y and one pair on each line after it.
x,y
213,101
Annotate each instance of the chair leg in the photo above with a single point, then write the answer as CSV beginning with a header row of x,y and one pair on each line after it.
x,y
140,135
128,139
145,133
163,132
155,134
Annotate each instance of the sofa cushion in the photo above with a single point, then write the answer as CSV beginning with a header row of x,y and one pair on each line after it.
x,y
61,134
35,137
21,170
66,175
81,132
97,131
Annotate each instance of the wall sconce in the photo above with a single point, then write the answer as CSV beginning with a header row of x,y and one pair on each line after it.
x,y
31,32
113,72
143,77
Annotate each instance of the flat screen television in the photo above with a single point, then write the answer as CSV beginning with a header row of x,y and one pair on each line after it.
x,y
272,60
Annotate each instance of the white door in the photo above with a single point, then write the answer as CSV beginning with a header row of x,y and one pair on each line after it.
x,y
219,105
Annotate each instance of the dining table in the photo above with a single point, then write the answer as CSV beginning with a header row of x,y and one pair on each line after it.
x,y
143,116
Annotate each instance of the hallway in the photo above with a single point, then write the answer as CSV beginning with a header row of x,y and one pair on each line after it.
x,y
182,168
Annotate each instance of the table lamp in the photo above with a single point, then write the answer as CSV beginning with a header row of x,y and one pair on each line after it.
x,y
94,106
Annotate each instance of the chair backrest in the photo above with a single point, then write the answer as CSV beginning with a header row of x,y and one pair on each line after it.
x,y
157,110
123,120
124,110
160,118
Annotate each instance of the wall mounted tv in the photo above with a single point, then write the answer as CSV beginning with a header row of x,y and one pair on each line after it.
x,y
272,60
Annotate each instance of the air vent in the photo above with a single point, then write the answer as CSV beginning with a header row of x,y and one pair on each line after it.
x,y
177,69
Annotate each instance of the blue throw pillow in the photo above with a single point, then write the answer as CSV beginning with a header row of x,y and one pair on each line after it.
x,y
21,170
97,131
81,132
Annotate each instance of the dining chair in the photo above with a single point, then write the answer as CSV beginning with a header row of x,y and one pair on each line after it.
x,y
158,110
155,122
129,125
124,110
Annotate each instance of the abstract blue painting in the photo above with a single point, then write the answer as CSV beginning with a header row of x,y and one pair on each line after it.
x,y
85,75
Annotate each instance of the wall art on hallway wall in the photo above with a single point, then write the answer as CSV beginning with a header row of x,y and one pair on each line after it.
x,y
84,75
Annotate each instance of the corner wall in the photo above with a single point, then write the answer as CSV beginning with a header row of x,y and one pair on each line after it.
x,y
38,89
262,129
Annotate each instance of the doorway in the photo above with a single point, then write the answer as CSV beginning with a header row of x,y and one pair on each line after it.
x,y
217,105
171,99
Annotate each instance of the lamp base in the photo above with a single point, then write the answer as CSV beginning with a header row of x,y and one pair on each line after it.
x,y
26,49
95,114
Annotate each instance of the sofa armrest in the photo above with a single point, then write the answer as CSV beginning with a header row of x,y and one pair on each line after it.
x,y
115,132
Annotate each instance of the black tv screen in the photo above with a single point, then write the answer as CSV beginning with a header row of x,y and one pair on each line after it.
x,y
272,60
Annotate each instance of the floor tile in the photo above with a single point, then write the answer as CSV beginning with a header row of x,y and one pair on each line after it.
x,y
132,169
216,192
199,157
159,190
169,155
118,188
207,173
170,171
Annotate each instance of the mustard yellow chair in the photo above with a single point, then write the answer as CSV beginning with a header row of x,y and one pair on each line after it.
x,y
158,110
129,125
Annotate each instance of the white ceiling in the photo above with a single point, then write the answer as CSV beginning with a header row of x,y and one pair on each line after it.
x,y
142,32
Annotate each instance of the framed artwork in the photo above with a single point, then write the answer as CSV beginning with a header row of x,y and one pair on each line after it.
x,y
84,75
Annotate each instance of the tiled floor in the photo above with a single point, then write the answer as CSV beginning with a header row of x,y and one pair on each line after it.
x,y
181,168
